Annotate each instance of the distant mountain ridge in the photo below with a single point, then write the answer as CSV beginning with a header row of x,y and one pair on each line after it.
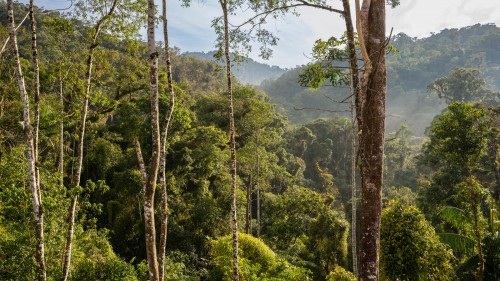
x,y
248,72
417,63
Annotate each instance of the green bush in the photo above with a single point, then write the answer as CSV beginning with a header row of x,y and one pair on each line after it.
x,y
340,274
257,262
410,248
94,259
105,270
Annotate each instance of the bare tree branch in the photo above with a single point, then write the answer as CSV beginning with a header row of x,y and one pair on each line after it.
x,y
140,160
319,109
17,27
286,7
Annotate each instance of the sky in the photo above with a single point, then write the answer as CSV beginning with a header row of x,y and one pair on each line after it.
x,y
190,28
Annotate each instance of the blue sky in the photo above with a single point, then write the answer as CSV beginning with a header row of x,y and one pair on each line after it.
x,y
190,28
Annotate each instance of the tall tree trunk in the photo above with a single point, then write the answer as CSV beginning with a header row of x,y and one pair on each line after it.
x,y
371,32
163,152
354,196
36,93
149,194
31,153
61,134
353,60
257,183
355,118
248,214
477,233
234,219
83,120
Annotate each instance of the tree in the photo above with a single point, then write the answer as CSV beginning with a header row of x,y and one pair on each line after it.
x,y
470,224
458,140
371,35
232,142
84,110
462,85
410,248
60,31
163,156
36,88
149,179
370,110
100,14
31,140
493,161
472,195
302,222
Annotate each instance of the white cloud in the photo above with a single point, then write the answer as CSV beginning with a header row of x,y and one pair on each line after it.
x,y
420,18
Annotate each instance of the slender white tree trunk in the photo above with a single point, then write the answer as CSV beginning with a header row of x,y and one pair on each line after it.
x,y
36,93
149,219
61,134
257,184
232,144
355,119
83,120
354,248
163,152
248,214
31,152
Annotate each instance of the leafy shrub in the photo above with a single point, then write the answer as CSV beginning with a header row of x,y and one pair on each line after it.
x,y
106,270
409,247
340,274
256,261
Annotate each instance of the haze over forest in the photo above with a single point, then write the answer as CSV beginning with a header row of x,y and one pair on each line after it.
x,y
416,63
126,158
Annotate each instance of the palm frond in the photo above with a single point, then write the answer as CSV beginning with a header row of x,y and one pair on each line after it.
x,y
458,243
455,217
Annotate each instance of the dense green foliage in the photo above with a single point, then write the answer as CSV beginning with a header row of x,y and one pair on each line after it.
x,y
458,140
410,249
340,274
301,173
257,261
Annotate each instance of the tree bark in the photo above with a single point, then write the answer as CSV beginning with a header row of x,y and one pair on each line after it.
x,y
149,194
371,29
354,195
36,92
79,164
257,183
61,134
163,152
31,150
353,59
232,144
142,167
248,215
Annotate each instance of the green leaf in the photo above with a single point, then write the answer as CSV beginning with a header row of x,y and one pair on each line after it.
x,y
454,216
458,243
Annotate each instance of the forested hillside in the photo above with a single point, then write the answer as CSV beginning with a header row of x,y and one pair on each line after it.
x,y
76,160
248,72
416,63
